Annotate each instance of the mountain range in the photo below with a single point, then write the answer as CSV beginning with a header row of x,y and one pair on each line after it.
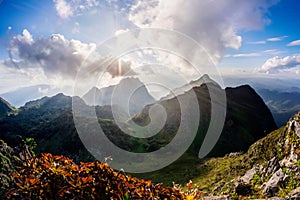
x,y
22,95
50,121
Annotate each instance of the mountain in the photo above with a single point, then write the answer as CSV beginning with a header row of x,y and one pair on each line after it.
x,y
130,94
5,108
195,83
33,116
22,95
282,104
50,121
247,118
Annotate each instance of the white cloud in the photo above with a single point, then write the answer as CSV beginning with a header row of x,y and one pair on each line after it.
x,y
68,8
276,39
55,55
246,55
26,37
76,28
272,51
254,54
294,43
64,9
258,42
277,64
215,24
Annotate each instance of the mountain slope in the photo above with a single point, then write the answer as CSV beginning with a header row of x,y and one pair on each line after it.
x,y
5,108
248,175
32,116
259,169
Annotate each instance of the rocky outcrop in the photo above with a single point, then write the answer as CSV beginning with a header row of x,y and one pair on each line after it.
x,y
223,197
275,174
272,166
272,186
291,159
243,186
294,195
294,124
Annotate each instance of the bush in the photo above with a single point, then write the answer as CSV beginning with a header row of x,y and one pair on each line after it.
x,y
57,177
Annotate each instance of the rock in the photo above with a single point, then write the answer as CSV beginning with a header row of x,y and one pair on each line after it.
x,y
233,154
272,185
272,198
272,166
294,195
290,160
249,175
243,186
294,124
223,197
243,189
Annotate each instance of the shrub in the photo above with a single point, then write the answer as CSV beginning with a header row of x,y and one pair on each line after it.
x,y
57,177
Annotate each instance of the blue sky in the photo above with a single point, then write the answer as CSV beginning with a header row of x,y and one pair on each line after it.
x,y
48,39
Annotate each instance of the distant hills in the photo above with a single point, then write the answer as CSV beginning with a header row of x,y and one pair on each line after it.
x,y
50,121
282,104
22,95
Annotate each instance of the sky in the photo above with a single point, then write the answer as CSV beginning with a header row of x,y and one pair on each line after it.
x,y
72,45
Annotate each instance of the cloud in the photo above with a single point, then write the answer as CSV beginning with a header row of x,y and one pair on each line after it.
x,y
272,51
258,42
254,54
64,9
76,28
55,55
276,39
246,55
294,43
215,24
277,64
69,8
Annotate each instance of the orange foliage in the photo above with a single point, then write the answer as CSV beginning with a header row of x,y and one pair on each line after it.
x,y
57,177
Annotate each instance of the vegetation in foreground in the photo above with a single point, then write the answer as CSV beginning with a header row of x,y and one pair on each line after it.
x,y
58,177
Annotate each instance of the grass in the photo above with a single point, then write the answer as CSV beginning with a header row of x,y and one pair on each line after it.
x,y
219,175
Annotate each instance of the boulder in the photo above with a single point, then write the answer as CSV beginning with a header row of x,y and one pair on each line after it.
x,y
290,160
243,187
222,197
249,175
233,154
272,186
294,195
272,166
